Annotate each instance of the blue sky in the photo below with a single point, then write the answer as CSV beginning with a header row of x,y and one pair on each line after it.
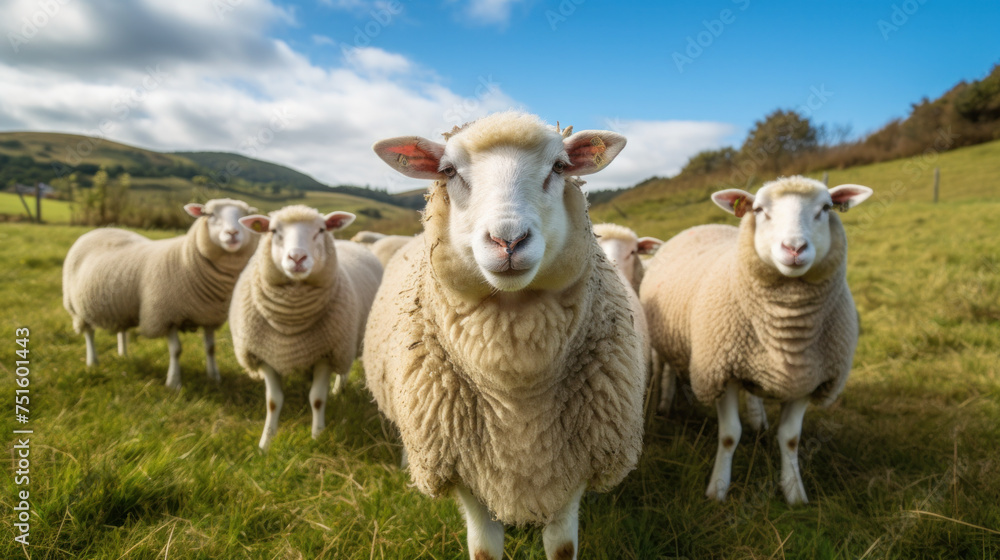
x,y
313,83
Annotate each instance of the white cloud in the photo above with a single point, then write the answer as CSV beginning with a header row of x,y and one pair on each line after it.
x,y
323,40
138,73
656,148
207,82
489,12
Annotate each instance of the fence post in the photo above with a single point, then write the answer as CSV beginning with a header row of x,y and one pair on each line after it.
x,y
826,178
38,202
937,182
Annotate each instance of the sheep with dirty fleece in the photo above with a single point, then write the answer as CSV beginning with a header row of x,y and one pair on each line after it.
x,y
764,307
301,304
116,279
501,341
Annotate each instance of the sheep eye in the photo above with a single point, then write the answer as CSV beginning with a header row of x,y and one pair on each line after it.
x,y
827,207
758,210
449,171
559,166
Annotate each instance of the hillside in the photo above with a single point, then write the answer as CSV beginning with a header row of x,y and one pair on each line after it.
x,y
255,170
663,207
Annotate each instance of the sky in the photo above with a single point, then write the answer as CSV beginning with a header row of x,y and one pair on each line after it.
x,y
312,84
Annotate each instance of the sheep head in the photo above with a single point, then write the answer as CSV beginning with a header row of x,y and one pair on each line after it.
x,y
223,215
792,215
622,247
506,178
300,238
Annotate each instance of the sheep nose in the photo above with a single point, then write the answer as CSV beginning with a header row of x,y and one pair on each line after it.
x,y
509,245
795,248
298,257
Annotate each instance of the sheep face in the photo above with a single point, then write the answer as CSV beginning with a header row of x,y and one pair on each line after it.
x,y
505,177
223,222
792,219
624,253
302,244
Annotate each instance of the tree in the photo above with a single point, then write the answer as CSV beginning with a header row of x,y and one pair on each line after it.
x,y
778,139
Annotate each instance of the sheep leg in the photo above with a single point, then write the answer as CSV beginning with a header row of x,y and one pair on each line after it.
x,y
317,396
485,533
729,435
668,386
561,536
275,398
338,383
122,343
789,434
88,336
756,415
210,366
174,369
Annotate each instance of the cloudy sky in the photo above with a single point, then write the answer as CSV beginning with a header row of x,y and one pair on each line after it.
x,y
313,83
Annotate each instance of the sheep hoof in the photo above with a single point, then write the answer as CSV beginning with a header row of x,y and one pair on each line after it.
x,y
795,493
717,491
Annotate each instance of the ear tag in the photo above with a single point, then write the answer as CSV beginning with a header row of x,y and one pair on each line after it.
x,y
740,206
258,227
403,162
599,149
843,207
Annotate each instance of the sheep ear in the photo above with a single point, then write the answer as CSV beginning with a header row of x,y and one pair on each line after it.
x,y
592,150
846,197
734,201
194,209
412,156
649,245
252,210
256,223
336,221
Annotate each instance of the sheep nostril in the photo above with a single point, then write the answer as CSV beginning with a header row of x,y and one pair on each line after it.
x,y
508,246
797,249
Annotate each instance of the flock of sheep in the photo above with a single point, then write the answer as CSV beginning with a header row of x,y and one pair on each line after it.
x,y
512,342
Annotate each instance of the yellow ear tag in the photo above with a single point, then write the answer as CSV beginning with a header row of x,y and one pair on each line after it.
x,y
740,207
258,227
843,207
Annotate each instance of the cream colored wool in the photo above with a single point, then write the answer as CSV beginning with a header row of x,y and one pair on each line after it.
x,y
367,237
615,231
717,313
386,247
292,325
522,398
116,279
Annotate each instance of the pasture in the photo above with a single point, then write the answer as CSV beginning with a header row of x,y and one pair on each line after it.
x,y
905,465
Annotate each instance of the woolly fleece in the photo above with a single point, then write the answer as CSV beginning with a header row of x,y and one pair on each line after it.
x,y
716,312
292,325
521,398
116,279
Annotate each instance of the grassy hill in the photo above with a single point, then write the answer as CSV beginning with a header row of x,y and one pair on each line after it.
x,y
254,170
662,207
162,183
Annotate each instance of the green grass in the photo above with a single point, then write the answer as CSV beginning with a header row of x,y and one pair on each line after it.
x,y
124,468
53,211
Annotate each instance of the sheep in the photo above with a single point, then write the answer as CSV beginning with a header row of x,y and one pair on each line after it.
x,y
116,279
764,307
367,238
500,343
623,247
301,303
388,246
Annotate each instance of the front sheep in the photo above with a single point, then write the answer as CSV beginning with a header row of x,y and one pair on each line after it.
x,y
301,304
764,307
501,341
116,279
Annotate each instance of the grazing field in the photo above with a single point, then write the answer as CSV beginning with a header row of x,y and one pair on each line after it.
x,y
904,466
